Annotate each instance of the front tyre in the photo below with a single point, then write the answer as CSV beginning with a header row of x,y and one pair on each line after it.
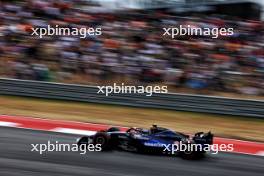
x,y
113,129
103,140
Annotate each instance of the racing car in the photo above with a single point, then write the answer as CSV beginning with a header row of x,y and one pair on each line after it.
x,y
157,140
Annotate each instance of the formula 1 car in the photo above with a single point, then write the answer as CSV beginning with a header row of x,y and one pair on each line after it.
x,y
155,140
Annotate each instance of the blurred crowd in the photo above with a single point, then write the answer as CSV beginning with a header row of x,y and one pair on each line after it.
x,y
131,49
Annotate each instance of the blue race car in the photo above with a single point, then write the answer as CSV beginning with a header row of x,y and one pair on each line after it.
x,y
155,140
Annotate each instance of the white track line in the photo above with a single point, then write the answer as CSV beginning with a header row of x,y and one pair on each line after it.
x,y
260,153
9,124
74,131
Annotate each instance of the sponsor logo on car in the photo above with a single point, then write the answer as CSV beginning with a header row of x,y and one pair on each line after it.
x,y
153,144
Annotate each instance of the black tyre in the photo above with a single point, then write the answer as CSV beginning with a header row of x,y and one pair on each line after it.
x,y
103,139
189,153
113,129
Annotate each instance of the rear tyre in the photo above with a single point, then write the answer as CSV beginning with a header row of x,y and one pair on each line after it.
x,y
189,153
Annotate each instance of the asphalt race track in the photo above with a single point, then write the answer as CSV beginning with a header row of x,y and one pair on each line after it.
x,y
16,159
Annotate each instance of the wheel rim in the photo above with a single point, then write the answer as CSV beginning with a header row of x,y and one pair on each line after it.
x,y
100,140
